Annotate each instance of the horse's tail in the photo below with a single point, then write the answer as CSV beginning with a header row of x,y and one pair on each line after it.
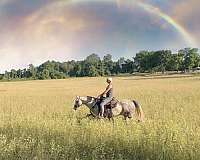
x,y
139,111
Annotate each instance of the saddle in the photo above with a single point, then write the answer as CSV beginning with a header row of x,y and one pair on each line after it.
x,y
112,103
109,105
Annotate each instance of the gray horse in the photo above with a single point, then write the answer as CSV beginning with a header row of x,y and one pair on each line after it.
x,y
124,108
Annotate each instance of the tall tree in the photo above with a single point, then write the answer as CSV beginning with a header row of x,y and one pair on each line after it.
x,y
6,75
142,61
33,71
93,59
165,57
107,64
190,58
45,74
19,73
13,74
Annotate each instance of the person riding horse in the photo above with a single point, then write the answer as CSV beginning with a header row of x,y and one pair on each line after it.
x,y
106,96
109,105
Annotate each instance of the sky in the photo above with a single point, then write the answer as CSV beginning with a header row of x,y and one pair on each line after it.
x,y
34,31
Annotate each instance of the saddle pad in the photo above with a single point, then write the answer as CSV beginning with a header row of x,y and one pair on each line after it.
x,y
112,104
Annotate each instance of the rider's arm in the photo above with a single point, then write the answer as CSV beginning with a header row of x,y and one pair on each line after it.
x,y
107,89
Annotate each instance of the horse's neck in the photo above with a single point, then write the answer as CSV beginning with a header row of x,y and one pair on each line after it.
x,y
88,101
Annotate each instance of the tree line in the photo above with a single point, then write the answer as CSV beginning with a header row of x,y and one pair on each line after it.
x,y
184,60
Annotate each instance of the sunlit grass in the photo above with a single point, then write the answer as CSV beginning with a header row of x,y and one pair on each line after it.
x,y
37,120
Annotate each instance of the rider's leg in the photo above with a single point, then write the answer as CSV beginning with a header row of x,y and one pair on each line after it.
x,y
102,108
103,103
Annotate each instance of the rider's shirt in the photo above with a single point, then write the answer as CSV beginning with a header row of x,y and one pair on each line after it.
x,y
110,93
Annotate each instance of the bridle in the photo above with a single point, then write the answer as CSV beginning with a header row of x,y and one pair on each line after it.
x,y
76,105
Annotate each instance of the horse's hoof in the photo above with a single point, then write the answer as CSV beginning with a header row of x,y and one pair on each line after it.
x,y
140,121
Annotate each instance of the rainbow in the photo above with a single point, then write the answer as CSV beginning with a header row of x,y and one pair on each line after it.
x,y
189,39
185,34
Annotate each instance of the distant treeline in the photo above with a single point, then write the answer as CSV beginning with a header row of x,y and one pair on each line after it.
x,y
145,62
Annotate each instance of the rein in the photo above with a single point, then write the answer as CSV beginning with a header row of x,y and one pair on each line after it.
x,y
95,99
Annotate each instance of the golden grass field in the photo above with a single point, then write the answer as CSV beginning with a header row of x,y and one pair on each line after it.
x,y
37,120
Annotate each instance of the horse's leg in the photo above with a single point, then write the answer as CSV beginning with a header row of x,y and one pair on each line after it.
x,y
109,115
125,119
139,111
127,115
111,118
130,115
81,118
113,122
88,115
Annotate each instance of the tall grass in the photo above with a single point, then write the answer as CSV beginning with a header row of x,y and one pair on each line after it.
x,y
37,120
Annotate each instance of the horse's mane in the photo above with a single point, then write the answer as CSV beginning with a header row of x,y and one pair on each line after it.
x,y
91,97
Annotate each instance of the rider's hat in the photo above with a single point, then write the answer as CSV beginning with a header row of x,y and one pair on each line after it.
x,y
109,79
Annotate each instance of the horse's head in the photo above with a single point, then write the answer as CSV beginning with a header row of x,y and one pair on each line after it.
x,y
77,103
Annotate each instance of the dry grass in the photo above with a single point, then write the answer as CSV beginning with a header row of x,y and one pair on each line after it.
x,y
37,120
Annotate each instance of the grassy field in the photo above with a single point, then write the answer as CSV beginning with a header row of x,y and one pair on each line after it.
x,y
37,120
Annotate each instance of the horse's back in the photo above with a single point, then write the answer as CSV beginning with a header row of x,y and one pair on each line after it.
x,y
128,105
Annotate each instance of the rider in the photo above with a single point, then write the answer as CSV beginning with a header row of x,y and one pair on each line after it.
x,y
108,94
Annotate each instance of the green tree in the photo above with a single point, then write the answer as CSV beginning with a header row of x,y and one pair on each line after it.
x,y
198,61
190,58
165,58
142,61
24,73
128,66
6,75
76,71
107,64
93,72
101,69
1,76
45,74
32,71
13,74
93,59
90,66
19,73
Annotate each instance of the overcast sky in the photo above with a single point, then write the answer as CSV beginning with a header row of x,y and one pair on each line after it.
x,y
33,31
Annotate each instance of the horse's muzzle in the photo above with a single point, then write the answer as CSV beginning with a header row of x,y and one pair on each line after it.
x,y
75,108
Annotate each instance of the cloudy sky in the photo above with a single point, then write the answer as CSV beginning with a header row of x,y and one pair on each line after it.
x,y
33,31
